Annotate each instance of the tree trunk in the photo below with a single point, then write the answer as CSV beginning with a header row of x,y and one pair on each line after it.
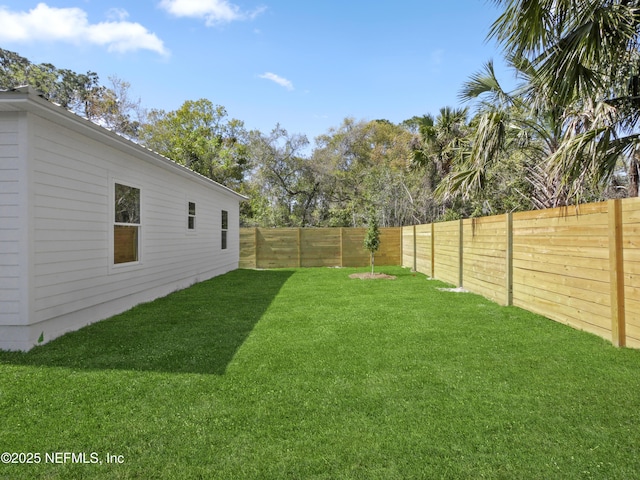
x,y
634,174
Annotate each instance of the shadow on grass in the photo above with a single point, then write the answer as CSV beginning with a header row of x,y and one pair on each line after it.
x,y
196,330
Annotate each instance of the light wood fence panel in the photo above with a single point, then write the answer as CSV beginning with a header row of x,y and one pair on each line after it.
x,y
561,266
353,253
248,247
315,247
424,249
446,259
408,247
320,247
484,263
390,252
631,255
277,248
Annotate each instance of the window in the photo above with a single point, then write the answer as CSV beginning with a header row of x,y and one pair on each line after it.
x,y
191,220
225,228
126,226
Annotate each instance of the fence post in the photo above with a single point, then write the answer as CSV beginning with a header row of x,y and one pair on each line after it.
x,y
616,273
460,252
433,251
341,246
415,250
509,260
299,246
255,246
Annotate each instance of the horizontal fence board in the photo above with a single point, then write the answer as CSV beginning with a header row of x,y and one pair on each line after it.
x,y
486,290
592,319
543,248
561,212
552,262
537,265
487,258
562,241
570,294
631,255
632,270
527,277
582,231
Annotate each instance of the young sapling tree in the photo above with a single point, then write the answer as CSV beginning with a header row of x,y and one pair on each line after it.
x,y
372,238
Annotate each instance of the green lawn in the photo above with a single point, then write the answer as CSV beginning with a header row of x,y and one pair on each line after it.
x,y
309,374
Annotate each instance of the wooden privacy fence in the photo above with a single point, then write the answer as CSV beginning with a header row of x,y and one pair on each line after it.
x,y
315,247
577,265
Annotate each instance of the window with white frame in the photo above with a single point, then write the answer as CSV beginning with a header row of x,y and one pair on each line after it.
x,y
225,228
191,218
126,225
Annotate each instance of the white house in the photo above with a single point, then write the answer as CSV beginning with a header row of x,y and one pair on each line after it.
x,y
92,224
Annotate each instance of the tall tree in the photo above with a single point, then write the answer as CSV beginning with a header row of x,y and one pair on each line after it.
x,y
507,128
113,108
110,106
285,188
199,136
364,164
586,53
441,140
438,144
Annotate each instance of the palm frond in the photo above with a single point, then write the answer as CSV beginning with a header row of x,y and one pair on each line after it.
x,y
486,83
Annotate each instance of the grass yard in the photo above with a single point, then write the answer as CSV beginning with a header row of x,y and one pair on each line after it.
x,y
307,374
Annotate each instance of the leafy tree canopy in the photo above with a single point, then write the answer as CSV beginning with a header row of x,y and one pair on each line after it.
x,y
199,136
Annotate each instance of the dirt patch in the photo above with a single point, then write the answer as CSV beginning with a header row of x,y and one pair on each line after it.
x,y
372,276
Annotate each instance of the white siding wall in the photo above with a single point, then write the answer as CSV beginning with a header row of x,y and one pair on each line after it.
x,y
74,279
13,230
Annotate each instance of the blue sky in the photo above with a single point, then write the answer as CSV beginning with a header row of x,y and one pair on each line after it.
x,y
304,64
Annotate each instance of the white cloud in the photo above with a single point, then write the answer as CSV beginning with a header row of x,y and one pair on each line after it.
x,y
212,11
51,24
117,14
277,79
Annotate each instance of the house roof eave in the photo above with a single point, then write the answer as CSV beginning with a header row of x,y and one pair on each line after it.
x,y
28,99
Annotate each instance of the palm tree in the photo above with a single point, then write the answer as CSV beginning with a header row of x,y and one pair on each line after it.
x,y
506,122
586,55
440,141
